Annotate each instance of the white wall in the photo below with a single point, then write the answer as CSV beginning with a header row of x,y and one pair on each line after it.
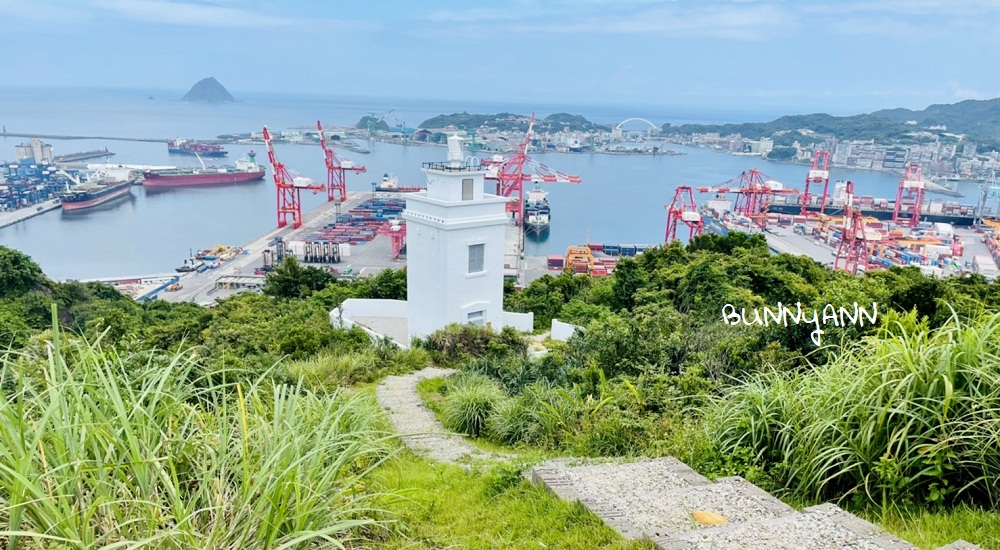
x,y
562,331
524,322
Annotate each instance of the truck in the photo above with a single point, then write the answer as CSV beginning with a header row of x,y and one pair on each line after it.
x,y
985,266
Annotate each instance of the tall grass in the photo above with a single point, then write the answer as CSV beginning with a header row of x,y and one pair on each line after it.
x,y
92,458
908,415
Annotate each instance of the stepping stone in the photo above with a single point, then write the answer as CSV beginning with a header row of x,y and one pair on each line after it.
x,y
960,545
823,527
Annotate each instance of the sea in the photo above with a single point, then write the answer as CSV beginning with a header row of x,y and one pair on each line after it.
x,y
621,198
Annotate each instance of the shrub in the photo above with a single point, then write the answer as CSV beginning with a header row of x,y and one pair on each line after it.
x,y
469,403
908,414
456,344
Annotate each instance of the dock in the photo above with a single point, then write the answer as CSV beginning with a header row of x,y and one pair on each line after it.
x,y
237,274
21,214
86,155
69,137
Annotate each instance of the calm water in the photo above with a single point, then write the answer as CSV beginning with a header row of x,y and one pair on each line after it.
x,y
620,199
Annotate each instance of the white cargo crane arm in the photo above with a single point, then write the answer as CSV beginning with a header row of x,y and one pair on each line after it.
x,y
67,174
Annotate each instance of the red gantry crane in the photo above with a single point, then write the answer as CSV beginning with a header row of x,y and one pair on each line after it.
x,y
853,249
336,169
683,210
397,234
819,173
754,190
513,170
289,186
911,187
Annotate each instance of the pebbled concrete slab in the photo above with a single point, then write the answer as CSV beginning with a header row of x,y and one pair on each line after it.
x,y
823,527
960,545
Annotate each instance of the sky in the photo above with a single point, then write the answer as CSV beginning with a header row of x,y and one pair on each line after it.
x,y
796,56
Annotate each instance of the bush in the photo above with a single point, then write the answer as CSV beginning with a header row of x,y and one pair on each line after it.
x,y
469,402
455,344
911,414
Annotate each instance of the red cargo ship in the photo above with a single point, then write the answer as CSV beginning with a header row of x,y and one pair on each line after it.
x,y
246,170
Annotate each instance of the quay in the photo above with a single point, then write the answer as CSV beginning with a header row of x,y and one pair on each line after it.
x,y
21,214
237,274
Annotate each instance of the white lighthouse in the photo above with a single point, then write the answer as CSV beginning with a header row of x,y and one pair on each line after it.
x,y
454,248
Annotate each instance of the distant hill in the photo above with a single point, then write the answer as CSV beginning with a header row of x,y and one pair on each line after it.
x,y
208,90
377,124
978,120
512,122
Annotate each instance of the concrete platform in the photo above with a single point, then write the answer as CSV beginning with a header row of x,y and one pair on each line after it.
x,y
21,214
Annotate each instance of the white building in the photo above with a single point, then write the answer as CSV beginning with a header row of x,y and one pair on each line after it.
x,y
455,259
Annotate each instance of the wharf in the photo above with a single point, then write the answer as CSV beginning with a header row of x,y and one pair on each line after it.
x,y
235,275
86,155
21,214
783,241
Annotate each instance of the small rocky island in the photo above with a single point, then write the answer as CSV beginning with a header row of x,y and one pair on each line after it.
x,y
208,90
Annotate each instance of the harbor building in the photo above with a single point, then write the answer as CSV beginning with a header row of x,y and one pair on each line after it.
x,y
455,235
34,151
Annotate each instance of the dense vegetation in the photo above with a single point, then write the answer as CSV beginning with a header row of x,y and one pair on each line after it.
x,y
508,122
900,416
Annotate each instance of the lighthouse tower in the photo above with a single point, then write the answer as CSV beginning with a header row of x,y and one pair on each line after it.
x,y
454,248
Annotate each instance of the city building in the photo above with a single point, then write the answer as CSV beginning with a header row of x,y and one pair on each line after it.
x,y
34,151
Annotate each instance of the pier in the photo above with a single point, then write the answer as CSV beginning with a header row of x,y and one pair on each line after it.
x,y
21,214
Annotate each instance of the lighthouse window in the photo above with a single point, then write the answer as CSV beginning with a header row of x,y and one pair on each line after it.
x,y
467,189
476,256
477,318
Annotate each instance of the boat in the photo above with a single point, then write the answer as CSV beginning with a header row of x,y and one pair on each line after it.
x,y
190,265
390,184
246,170
537,215
188,147
882,209
96,191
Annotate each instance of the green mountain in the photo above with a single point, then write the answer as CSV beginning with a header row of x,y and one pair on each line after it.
x,y
978,120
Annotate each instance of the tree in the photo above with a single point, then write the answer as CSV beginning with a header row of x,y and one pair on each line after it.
x,y
628,278
291,280
18,273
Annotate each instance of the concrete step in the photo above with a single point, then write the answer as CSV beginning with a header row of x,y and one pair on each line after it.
x,y
823,527
657,498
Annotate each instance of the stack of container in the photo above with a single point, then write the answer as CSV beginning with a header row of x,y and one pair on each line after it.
x,y
555,261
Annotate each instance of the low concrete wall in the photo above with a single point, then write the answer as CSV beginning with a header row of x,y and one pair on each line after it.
x,y
562,331
524,322
363,307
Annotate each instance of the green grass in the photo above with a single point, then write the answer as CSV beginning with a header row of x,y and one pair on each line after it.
x,y
929,530
443,507
109,450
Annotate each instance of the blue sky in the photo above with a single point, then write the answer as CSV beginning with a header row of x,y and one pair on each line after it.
x,y
802,56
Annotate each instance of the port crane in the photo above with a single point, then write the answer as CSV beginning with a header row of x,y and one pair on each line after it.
x,y
683,210
819,173
911,187
754,190
373,122
336,170
289,185
396,232
510,174
854,249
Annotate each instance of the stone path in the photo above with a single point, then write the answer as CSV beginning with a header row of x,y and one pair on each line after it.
x,y
662,500
420,430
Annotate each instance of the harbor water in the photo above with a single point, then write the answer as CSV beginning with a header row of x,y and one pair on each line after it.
x,y
620,199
